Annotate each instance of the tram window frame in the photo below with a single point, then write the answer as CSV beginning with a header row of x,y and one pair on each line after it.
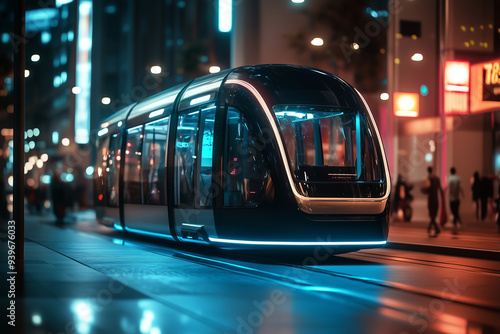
x,y
130,194
158,180
239,194
181,197
204,168
113,170
100,174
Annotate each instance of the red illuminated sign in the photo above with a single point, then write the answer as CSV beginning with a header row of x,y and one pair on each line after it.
x,y
405,104
456,87
485,86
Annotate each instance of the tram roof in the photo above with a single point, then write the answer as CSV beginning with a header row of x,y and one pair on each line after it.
x,y
204,89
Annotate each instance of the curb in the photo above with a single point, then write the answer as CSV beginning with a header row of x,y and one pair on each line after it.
x,y
443,250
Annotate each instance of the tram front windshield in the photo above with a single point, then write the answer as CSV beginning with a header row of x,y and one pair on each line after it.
x,y
326,144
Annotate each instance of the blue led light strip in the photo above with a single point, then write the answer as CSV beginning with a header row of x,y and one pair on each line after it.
x,y
298,243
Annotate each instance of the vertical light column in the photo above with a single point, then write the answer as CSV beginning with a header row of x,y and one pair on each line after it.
x,y
225,15
83,72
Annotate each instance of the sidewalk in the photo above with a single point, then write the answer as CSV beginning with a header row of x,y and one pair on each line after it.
x,y
477,240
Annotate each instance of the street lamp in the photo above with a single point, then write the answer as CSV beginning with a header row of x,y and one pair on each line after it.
x,y
214,69
417,57
155,69
317,41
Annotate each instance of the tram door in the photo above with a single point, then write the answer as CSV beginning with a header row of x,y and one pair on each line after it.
x,y
144,197
193,206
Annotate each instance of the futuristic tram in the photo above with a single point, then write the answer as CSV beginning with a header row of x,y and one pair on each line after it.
x,y
256,156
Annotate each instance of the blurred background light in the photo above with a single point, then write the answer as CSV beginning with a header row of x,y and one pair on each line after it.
x,y
424,90
225,15
106,100
45,179
317,41
59,3
36,319
155,69
55,137
35,58
384,96
76,90
67,177
45,37
26,73
417,57
214,69
89,170
65,141
83,71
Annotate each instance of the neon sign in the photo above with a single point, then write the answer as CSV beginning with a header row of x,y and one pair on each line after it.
x,y
456,87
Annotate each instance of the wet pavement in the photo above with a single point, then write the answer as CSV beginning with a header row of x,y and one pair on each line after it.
x,y
84,278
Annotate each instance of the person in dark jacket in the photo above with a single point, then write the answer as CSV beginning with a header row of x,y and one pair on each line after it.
x,y
58,190
476,192
433,201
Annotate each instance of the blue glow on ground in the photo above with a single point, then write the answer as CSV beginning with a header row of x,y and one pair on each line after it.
x,y
151,234
298,243
292,282
118,227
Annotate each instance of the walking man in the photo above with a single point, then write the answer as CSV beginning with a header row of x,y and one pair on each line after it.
x,y
454,196
433,201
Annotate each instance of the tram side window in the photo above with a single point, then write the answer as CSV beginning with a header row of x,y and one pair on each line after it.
x,y
100,171
246,176
132,171
185,158
206,152
113,169
153,163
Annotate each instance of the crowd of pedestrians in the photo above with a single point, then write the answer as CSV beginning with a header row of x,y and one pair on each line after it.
x,y
482,188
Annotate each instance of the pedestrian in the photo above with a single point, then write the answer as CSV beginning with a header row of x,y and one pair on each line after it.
x,y
455,190
486,194
476,192
433,188
59,197
4,211
498,205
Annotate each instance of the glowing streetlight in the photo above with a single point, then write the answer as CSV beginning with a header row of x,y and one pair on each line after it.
x,y
155,69
214,69
417,57
317,41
